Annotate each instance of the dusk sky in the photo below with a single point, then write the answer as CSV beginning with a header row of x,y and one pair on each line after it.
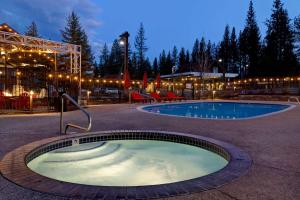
x,y
167,22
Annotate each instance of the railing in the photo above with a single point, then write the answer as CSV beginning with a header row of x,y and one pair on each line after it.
x,y
69,124
295,98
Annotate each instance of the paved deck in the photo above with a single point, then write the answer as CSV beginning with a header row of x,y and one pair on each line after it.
x,y
273,142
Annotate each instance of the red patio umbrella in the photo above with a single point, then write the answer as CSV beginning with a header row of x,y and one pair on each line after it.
x,y
126,80
158,81
145,80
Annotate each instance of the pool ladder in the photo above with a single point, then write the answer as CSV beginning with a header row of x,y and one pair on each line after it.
x,y
66,96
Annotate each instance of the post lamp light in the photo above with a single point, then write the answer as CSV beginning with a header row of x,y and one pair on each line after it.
x,y
124,42
31,100
173,72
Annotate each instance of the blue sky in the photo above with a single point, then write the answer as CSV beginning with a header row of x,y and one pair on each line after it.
x,y
167,22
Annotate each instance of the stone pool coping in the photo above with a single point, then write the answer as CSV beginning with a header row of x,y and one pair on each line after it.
x,y
291,106
14,167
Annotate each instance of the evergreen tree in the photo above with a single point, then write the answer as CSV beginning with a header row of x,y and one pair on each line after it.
x,y
195,52
115,59
134,66
141,48
224,51
243,55
163,63
87,57
252,46
155,67
169,64
32,30
74,34
233,67
182,58
104,60
97,69
175,56
279,54
104,56
188,61
148,67
202,56
209,55
297,35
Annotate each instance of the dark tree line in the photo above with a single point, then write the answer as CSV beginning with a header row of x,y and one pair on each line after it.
x,y
112,60
245,52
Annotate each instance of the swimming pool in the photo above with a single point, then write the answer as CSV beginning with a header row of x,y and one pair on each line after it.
x,y
217,110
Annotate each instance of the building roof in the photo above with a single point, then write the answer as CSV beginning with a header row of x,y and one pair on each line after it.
x,y
199,74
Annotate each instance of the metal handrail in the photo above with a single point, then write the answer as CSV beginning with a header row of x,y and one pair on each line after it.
x,y
69,124
295,98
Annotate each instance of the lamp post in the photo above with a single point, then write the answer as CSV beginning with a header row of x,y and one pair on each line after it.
x,y
173,72
124,42
223,71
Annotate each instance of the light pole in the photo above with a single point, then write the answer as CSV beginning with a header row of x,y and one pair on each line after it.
x,y
173,72
124,42
223,71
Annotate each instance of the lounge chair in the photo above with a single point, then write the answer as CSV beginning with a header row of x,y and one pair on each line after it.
x,y
137,97
172,96
2,100
22,102
157,97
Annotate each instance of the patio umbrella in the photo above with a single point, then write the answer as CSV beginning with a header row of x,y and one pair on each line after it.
x,y
145,80
158,81
126,79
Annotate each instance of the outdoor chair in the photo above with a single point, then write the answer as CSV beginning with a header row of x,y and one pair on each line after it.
x,y
157,97
172,96
21,103
137,97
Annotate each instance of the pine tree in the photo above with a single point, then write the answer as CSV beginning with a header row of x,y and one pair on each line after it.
x,y
175,56
104,60
195,52
188,60
279,54
224,51
134,66
234,54
169,63
115,59
148,67
209,55
155,67
162,63
141,48
97,69
87,58
202,56
297,35
104,56
32,30
74,34
182,60
251,35
243,55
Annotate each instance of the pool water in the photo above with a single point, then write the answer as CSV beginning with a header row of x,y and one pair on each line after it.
x,y
127,163
216,110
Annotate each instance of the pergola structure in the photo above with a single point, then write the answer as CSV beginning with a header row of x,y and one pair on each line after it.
x,y
12,43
